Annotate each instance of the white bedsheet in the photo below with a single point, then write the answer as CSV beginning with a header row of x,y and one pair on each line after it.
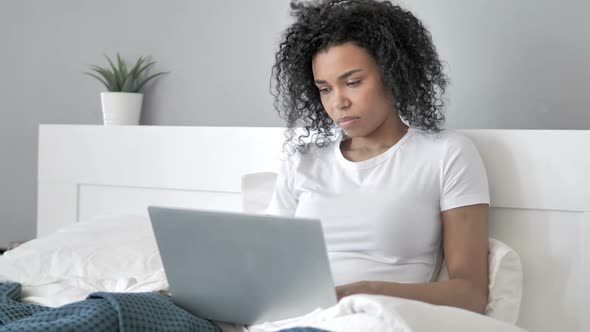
x,y
110,253
386,314
119,254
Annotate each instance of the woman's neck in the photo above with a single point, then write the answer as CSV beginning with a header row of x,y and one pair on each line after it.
x,y
380,140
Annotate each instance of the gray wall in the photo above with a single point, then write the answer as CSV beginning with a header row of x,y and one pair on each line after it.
x,y
513,64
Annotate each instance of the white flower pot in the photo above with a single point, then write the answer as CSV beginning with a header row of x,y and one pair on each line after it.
x,y
121,108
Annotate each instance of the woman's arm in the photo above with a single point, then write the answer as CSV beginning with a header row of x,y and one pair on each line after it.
x,y
465,245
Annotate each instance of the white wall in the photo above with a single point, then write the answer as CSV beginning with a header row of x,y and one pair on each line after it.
x,y
513,64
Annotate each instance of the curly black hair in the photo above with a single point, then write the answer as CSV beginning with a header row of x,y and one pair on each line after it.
x,y
395,38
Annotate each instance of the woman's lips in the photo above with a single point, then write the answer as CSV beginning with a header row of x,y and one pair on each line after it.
x,y
348,121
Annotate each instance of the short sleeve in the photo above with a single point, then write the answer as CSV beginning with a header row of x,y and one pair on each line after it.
x,y
284,201
464,178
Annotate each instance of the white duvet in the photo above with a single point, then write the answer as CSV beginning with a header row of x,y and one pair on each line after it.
x,y
119,254
115,254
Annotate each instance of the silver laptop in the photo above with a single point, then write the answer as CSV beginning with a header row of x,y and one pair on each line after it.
x,y
242,268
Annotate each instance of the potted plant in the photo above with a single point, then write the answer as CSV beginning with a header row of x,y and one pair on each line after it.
x,y
121,104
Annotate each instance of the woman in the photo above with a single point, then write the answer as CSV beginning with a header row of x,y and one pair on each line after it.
x,y
393,190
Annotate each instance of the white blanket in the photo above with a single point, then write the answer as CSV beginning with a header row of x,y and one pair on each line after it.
x,y
386,314
119,254
111,253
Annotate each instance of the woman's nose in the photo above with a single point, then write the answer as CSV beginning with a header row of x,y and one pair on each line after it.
x,y
341,100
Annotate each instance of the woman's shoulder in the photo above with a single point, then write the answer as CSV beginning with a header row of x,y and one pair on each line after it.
x,y
444,145
445,139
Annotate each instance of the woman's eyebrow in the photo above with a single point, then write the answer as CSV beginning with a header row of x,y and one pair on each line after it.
x,y
341,77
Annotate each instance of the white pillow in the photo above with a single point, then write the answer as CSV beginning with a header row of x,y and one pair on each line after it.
x,y
109,253
505,282
257,190
504,264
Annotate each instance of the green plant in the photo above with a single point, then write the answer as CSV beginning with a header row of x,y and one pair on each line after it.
x,y
119,79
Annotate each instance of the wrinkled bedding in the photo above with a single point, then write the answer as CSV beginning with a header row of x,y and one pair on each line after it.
x,y
99,312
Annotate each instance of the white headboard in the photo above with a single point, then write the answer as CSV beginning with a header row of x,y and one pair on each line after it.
x,y
539,183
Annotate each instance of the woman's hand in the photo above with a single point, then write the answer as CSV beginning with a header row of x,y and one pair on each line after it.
x,y
359,287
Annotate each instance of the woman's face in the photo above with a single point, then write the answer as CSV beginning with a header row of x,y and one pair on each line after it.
x,y
351,89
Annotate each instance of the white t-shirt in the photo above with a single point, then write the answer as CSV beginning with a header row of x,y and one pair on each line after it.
x,y
382,217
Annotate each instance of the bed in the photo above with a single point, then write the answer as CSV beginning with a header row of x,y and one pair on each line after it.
x,y
539,183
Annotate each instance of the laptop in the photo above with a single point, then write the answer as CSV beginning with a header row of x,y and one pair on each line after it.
x,y
243,268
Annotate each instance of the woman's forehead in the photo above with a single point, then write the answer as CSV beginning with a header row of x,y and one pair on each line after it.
x,y
337,60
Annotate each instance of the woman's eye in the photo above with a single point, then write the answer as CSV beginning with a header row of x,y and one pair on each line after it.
x,y
353,83
323,90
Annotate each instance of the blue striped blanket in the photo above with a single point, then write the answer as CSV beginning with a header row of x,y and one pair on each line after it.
x,y
102,312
